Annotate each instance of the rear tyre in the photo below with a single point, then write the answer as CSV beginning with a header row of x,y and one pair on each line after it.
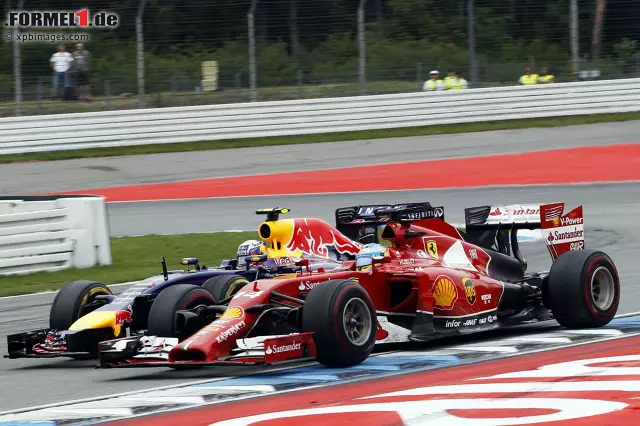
x,y
342,317
162,315
224,286
73,301
583,289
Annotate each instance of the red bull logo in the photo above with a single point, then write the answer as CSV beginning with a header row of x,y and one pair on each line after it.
x,y
313,236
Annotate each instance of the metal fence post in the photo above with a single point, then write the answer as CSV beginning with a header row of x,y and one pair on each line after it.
x,y
362,48
17,67
471,23
419,79
238,86
140,49
300,82
39,95
575,41
252,51
107,94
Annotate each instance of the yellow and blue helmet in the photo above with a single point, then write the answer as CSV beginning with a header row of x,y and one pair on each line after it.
x,y
364,258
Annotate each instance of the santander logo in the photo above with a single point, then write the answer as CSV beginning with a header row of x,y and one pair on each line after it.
x,y
284,348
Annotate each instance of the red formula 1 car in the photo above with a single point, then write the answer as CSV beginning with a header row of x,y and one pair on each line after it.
x,y
430,281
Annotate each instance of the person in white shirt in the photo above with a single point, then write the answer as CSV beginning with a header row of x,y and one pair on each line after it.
x,y
61,63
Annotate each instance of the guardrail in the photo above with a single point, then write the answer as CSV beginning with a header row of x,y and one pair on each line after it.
x,y
260,119
52,233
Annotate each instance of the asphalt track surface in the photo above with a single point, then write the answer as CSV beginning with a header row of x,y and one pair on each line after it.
x,y
71,175
610,217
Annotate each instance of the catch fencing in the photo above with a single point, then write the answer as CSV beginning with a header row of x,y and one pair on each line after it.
x,y
313,116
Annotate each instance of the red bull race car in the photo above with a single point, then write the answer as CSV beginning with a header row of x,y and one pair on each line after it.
x,y
86,312
426,280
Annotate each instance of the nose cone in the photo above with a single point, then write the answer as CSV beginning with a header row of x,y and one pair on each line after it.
x,y
102,319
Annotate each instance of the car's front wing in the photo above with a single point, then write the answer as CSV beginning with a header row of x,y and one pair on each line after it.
x,y
153,351
42,343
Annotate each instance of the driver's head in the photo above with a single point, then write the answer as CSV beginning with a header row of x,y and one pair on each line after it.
x,y
364,258
250,248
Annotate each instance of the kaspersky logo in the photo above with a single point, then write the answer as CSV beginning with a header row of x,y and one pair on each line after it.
x,y
61,19
275,349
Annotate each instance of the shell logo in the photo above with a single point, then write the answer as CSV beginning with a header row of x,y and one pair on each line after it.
x,y
234,312
444,292
556,221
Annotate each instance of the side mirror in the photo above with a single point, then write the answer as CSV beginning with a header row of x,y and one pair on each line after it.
x,y
302,262
254,259
383,259
229,264
190,261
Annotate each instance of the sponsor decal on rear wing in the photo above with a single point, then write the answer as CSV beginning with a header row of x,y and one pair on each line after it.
x,y
562,233
367,213
523,216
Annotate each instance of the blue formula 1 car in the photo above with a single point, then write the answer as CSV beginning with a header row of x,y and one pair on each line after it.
x,y
85,313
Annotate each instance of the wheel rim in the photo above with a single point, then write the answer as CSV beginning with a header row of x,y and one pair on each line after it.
x,y
356,320
603,288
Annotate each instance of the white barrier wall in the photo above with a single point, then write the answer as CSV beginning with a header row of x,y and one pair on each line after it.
x,y
246,120
51,233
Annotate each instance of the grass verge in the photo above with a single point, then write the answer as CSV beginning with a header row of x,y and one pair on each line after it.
x,y
135,258
325,137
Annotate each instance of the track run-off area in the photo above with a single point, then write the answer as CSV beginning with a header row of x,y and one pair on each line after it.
x,y
597,166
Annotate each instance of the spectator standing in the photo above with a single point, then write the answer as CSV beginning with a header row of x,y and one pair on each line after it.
x,y
450,79
60,62
435,83
529,77
82,67
460,82
546,77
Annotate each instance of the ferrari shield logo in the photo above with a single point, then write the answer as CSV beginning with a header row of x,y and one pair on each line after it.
x,y
432,249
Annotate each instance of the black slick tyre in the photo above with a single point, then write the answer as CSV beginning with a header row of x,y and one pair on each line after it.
x,y
224,286
583,289
73,301
342,317
162,315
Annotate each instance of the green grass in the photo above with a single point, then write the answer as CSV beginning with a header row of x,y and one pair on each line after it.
x,y
135,258
326,137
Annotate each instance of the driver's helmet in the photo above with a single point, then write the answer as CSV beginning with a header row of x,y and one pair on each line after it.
x,y
250,248
364,258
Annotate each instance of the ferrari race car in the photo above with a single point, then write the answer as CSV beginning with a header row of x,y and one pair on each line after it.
x,y
84,312
430,281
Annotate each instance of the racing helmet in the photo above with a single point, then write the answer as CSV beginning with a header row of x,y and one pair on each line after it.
x,y
364,258
250,248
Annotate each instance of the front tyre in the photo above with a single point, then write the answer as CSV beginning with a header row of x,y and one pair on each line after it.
x,y
342,317
583,289
224,286
75,300
163,321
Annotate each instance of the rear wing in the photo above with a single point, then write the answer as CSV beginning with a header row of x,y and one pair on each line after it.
x,y
496,225
360,223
